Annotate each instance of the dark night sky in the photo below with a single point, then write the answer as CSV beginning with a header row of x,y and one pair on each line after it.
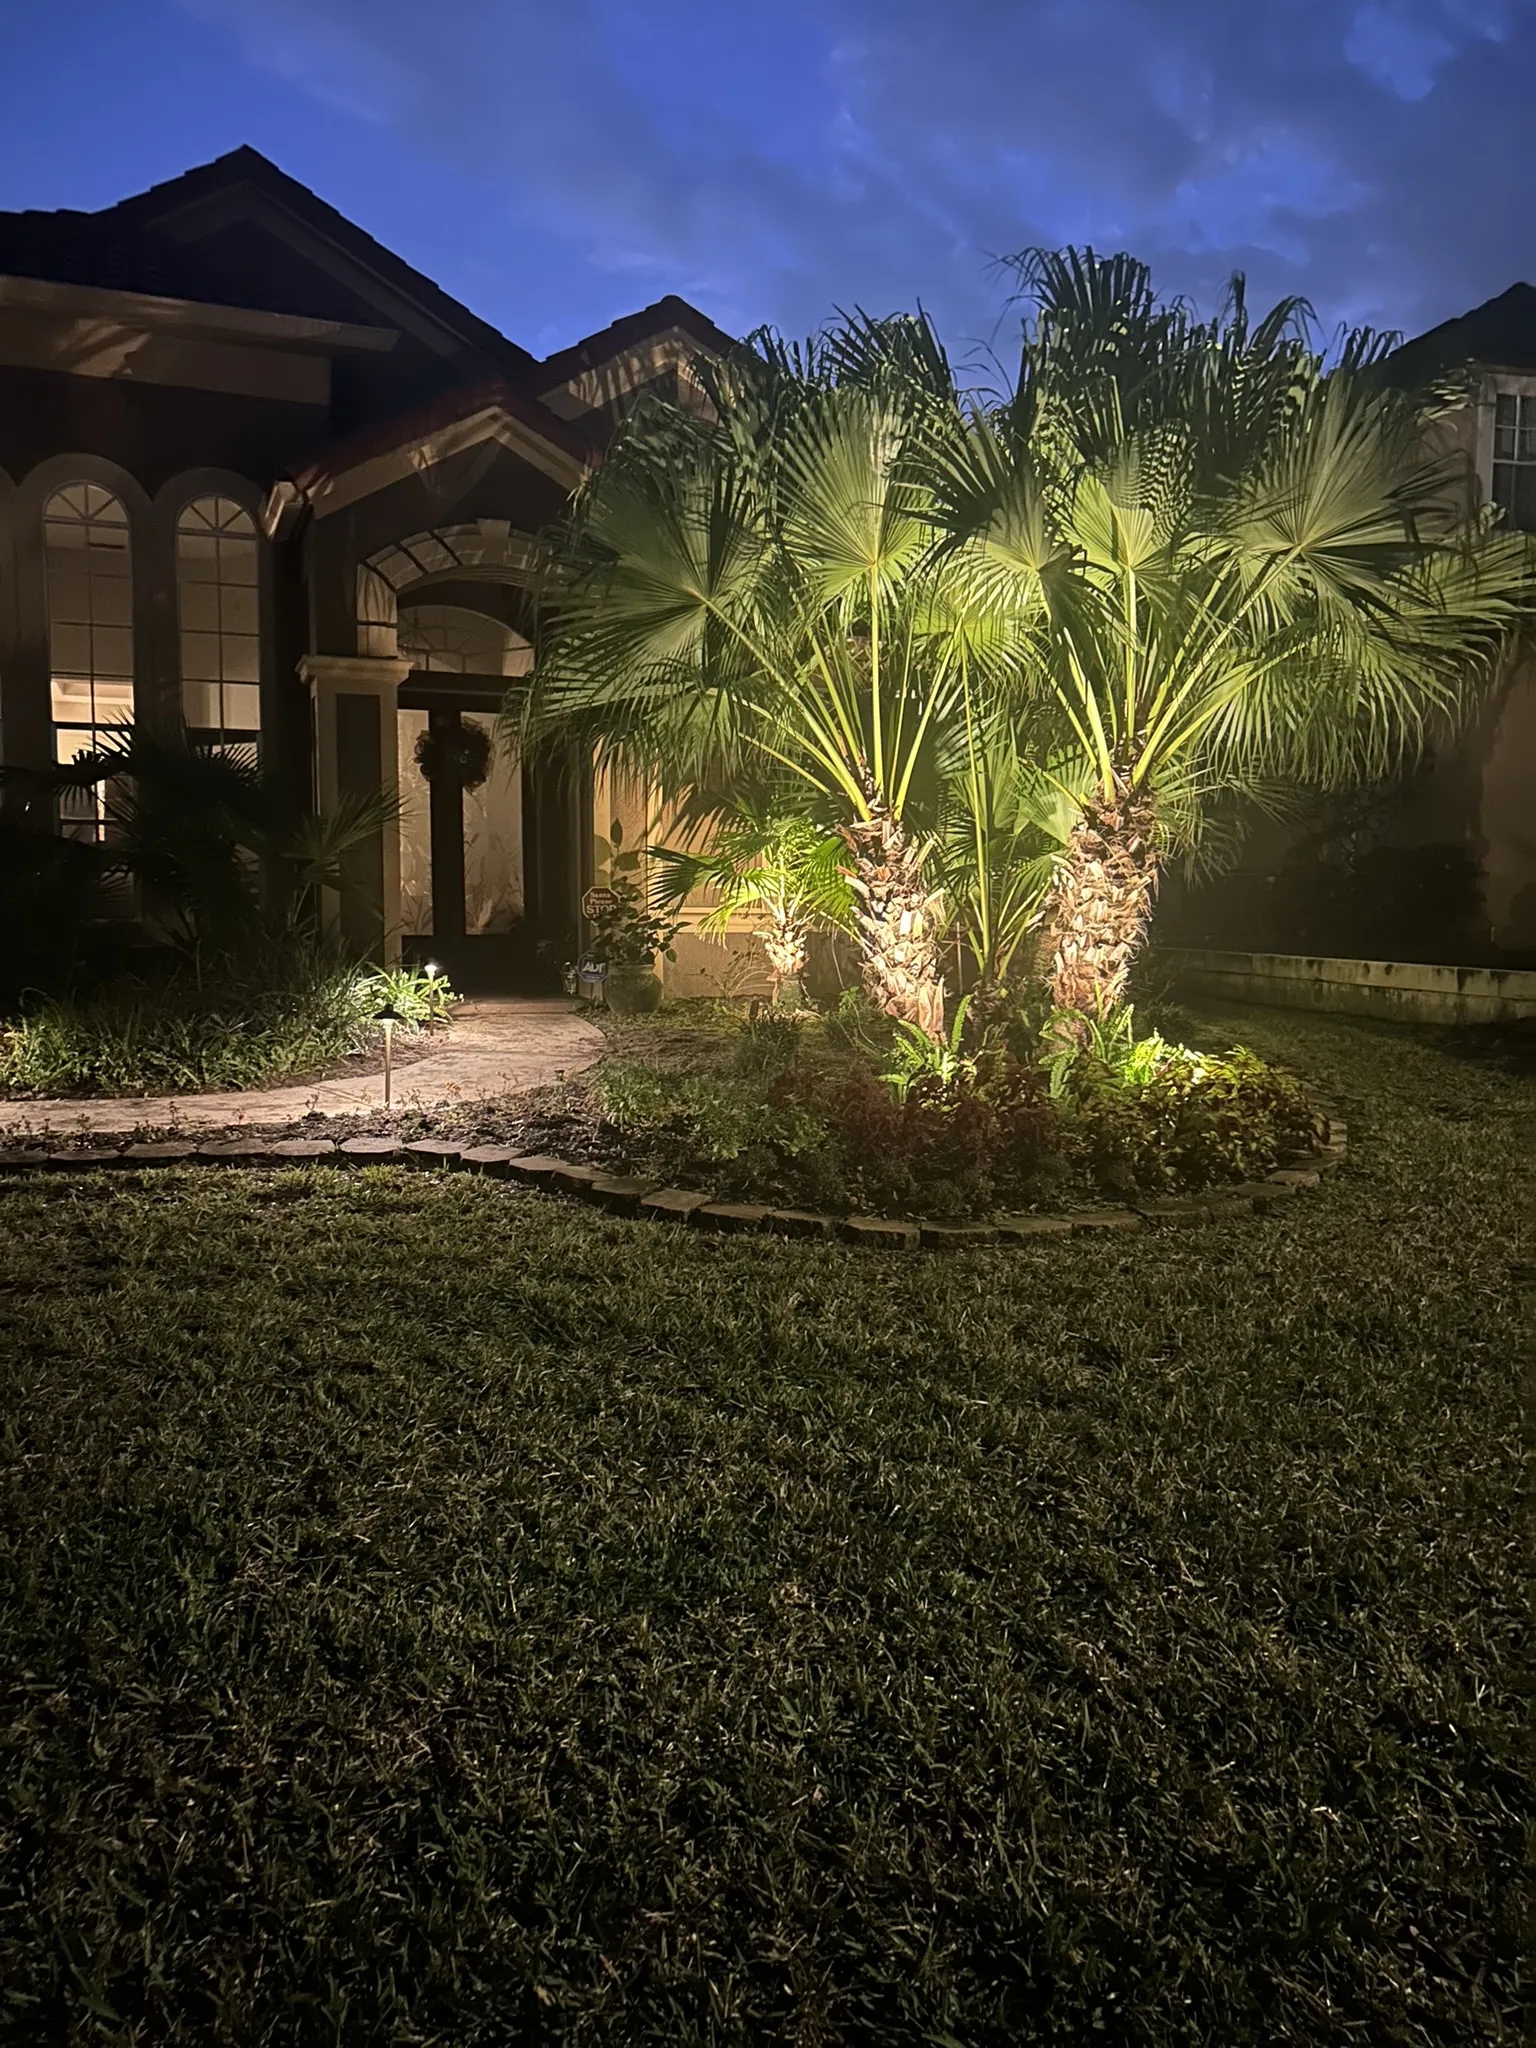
x,y
555,163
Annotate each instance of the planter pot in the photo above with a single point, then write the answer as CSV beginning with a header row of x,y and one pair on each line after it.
x,y
633,990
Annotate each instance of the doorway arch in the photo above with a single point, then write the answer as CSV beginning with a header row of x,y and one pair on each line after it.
x,y
492,872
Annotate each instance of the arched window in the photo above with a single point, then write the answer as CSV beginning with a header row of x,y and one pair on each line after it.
x,y
448,639
216,583
90,632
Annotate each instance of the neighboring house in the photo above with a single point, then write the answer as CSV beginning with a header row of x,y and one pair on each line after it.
x,y
1484,791
258,473
1470,814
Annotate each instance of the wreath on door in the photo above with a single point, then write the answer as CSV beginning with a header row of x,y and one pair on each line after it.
x,y
455,754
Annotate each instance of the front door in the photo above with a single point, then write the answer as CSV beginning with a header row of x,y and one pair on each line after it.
x,y
490,851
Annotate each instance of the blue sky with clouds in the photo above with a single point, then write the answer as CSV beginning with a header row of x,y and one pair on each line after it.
x,y
555,163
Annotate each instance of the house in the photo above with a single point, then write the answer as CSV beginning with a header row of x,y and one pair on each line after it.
x,y
258,473
1483,790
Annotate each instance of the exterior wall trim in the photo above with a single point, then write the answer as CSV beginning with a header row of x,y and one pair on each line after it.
x,y
188,316
410,458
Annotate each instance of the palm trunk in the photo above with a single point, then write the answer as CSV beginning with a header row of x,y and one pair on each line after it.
x,y
784,942
1101,901
898,920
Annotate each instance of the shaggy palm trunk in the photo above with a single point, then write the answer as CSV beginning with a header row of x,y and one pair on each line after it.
x,y
1101,900
898,920
784,942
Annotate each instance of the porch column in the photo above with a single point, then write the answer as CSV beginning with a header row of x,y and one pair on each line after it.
x,y
354,699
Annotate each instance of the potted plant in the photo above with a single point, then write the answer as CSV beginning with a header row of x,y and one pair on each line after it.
x,y
627,934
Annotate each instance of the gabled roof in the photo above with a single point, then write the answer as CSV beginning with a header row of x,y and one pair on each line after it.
x,y
386,453
149,243
663,317
164,243
157,211
1500,334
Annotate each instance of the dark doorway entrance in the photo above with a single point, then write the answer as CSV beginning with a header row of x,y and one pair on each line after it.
x,y
492,873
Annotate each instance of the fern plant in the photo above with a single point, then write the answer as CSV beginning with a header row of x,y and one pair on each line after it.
x,y
922,1058
1105,1043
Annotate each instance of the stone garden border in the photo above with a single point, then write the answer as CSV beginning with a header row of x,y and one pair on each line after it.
x,y
627,1196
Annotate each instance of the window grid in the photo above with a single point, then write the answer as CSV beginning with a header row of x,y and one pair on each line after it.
x,y
1514,457
217,578
446,639
89,572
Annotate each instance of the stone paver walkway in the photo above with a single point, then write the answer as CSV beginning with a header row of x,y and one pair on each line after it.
x,y
494,1048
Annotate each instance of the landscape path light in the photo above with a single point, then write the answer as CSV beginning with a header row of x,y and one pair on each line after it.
x,y
389,1017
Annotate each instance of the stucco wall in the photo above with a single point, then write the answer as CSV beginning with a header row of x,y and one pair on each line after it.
x,y
1507,816
734,965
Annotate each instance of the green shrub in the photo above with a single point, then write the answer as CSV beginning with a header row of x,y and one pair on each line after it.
x,y
987,1136
254,1027
1185,1120
702,1119
421,995
943,1061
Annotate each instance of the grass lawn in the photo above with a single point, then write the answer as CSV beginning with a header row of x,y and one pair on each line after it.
x,y
431,1613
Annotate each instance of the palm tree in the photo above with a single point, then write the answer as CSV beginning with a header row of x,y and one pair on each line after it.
x,y
1221,566
778,866
757,593
228,863
1019,649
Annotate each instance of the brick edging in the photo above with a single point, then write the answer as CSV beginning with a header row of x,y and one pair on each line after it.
x,y
626,1195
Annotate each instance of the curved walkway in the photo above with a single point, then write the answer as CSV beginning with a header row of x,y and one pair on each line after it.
x,y
495,1048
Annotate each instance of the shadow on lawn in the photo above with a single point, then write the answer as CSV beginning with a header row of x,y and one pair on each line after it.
x,y
1510,1047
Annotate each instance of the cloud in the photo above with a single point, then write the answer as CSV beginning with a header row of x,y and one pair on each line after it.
x,y
325,58
772,163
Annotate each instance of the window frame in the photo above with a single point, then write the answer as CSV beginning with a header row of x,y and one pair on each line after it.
x,y
1516,384
90,822
222,736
